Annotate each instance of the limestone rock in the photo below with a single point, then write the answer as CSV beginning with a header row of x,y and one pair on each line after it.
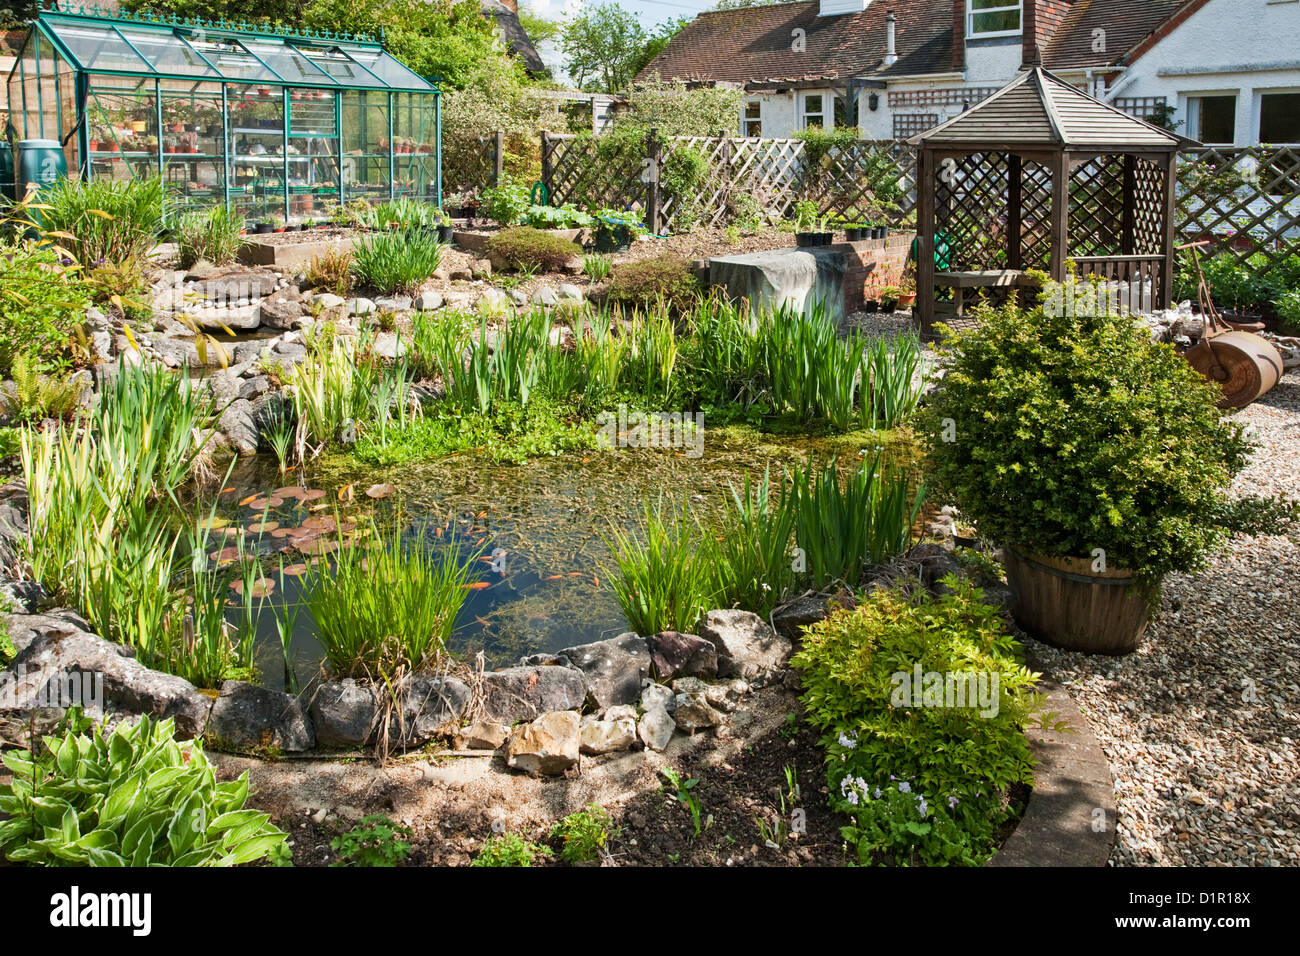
x,y
428,301
747,646
607,736
656,728
657,695
482,735
427,707
248,717
345,714
523,693
548,745
693,712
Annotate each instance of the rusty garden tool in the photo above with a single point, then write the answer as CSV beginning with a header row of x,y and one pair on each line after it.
x,y
1230,354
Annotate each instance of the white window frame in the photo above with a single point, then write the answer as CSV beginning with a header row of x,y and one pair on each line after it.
x,y
1192,110
746,119
821,113
1006,7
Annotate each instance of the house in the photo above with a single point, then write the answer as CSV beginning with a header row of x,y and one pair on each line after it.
x,y
1228,71
506,15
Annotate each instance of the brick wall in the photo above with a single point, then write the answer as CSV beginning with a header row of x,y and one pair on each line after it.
x,y
871,264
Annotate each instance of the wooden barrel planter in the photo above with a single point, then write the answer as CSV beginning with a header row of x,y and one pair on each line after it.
x,y
1063,602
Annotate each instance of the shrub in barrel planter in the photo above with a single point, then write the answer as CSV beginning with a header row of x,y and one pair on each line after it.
x,y
1094,456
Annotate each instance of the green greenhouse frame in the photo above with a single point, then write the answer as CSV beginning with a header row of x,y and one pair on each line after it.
x,y
277,126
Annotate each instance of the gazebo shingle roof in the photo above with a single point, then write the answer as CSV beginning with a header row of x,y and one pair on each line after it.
x,y
1040,109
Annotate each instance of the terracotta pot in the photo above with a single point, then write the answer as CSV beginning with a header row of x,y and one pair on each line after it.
x,y
1064,602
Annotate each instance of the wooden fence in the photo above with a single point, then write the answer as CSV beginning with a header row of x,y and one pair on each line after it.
x,y
1246,199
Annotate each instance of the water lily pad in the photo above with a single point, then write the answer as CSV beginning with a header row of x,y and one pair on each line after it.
x,y
289,491
294,570
262,587
260,527
314,494
214,523
381,490
226,555
315,545
320,523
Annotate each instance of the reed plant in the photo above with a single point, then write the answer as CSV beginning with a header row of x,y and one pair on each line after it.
x,y
662,575
213,235
844,524
104,222
891,380
396,260
387,604
750,556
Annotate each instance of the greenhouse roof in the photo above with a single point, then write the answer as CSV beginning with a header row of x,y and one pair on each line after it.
x,y
138,45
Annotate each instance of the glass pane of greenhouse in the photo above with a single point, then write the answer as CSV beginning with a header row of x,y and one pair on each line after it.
x,y
281,128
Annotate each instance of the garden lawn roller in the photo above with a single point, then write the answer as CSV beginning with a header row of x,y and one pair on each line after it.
x,y
1230,354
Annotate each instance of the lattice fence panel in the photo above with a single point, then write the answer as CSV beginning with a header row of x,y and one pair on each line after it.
x,y
469,165
1247,200
1036,216
1149,208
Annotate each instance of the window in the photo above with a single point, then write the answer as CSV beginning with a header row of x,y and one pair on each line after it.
x,y
751,121
1279,118
1213,119
814,111
992,18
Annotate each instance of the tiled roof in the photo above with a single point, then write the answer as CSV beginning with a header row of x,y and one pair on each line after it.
x,y
755,44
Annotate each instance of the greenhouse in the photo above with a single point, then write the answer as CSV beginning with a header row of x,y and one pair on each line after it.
x,y
284,127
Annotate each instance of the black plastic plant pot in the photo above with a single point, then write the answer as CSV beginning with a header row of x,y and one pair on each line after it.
x,y
870,306
446,233
613,239
805,240
262,228
884,232
824,238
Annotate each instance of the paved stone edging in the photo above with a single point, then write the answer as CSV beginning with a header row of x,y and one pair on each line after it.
x,y
1073,792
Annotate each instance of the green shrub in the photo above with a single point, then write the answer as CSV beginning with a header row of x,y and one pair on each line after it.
x,y
951,757
1288,310
524,248
407,213
375,841
213,235
331,272
42,300
396,261
134,797
666,279
584,834
1058,435
507,201
509,849
567,216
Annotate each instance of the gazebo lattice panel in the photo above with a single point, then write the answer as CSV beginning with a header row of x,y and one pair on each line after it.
x,y
1036,213
1149,190
1096,196
971,209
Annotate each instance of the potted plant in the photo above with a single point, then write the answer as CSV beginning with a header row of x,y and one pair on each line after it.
x,y
889,297
907,287
263,227
1095,457
446,233
806,217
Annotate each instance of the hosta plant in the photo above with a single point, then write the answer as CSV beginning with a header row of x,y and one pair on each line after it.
x,y
134,797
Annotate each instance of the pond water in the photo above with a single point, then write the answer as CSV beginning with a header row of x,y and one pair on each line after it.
x,y
547,588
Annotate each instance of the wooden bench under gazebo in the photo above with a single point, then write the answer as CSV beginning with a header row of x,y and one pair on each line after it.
x,y
1036,175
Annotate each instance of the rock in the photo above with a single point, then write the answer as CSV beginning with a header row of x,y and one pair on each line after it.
x,y
493,301
606,736
480,269
619,711
282,311
518,298
255,386
389,345
328,300
674,654
248,717
747,647
13,522
25,597
545,296
345,714
689,685
239,426
612,669
428,301
482,735
222,386
693,712
289,353
51,645
656,728
548,745
790,619
571,292
361,306
933,562
428,707
572,266
523,693
657,695
393,303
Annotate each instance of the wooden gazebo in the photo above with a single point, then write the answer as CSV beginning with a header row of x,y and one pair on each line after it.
x,y
1035,175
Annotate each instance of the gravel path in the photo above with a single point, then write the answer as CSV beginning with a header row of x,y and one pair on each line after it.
x,y
1200,724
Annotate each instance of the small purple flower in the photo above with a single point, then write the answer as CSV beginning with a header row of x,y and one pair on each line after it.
x,y
922,807
952,802
904,787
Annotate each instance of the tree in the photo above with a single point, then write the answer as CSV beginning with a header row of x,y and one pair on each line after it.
x,y
655,43
538,28
602,46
